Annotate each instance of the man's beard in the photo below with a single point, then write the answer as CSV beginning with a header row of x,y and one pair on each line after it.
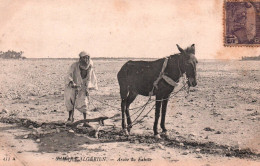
x,y
85,66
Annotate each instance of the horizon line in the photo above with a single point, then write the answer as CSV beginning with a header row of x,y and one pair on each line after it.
x,y
132,58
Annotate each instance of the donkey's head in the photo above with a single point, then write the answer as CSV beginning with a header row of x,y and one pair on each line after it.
x,y
189,62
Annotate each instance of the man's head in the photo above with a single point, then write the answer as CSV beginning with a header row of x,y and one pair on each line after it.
x,y
84,59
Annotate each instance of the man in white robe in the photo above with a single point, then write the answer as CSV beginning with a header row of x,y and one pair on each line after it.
x,y
80,78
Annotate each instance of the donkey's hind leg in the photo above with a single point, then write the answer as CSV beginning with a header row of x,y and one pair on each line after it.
x,y
123,94
130,98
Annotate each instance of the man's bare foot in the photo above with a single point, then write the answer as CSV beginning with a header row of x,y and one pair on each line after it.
x,y
69,121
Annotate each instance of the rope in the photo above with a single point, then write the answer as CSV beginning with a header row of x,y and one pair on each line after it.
x,y
142,110
112,117
115,106
141,107
172,94
143,116
184,86
97,109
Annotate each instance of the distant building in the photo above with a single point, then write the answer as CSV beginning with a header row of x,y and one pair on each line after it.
x,y
251,58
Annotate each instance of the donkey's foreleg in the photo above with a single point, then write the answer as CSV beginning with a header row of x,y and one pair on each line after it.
x,y
164,108
157,116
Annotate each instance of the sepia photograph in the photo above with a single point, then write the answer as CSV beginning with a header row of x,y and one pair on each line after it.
x,y
130,82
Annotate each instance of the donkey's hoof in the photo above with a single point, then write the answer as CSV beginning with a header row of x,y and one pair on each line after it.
x,y
129,129
157,136
125,132
165,133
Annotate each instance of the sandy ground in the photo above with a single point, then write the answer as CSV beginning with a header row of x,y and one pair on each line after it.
x,y
217,124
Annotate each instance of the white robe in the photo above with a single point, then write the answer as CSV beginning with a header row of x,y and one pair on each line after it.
x,y
79,100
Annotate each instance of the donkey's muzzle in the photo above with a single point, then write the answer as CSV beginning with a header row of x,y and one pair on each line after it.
x,y
192,82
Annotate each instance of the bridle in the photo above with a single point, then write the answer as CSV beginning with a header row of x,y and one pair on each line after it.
x,y
181,73
184,66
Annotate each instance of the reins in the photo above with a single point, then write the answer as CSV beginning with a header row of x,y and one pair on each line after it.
x,y
141,108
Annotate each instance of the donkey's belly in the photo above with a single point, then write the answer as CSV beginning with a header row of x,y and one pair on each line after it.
x,y
141,86
143,92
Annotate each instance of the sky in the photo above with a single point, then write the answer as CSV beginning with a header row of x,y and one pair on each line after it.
x,y
115,28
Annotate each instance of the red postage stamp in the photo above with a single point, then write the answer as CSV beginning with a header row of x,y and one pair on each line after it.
x,y
242,23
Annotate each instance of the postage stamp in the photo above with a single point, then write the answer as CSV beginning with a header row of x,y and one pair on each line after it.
x,y
242,23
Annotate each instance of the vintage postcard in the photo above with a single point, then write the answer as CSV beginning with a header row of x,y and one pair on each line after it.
x,y
129,82
242,23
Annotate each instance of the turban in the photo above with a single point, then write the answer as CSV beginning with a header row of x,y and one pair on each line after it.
x,y
83,53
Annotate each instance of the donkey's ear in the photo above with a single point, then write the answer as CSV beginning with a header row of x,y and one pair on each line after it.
x,y
180,49
193,47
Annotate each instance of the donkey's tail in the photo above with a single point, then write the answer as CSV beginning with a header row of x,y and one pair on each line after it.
x,y
122,77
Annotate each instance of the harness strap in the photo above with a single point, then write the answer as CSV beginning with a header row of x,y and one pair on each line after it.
x,y
155,84
169,80
163,76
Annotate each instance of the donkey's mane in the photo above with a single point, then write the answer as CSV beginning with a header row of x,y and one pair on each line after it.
x,y
188,50
174,55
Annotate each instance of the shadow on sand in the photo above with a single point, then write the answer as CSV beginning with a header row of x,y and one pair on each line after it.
x,y
55,137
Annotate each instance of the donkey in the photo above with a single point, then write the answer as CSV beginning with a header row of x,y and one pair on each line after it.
x,y
157,78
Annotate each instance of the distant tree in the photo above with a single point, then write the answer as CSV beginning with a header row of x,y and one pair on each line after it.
x,y
10,54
